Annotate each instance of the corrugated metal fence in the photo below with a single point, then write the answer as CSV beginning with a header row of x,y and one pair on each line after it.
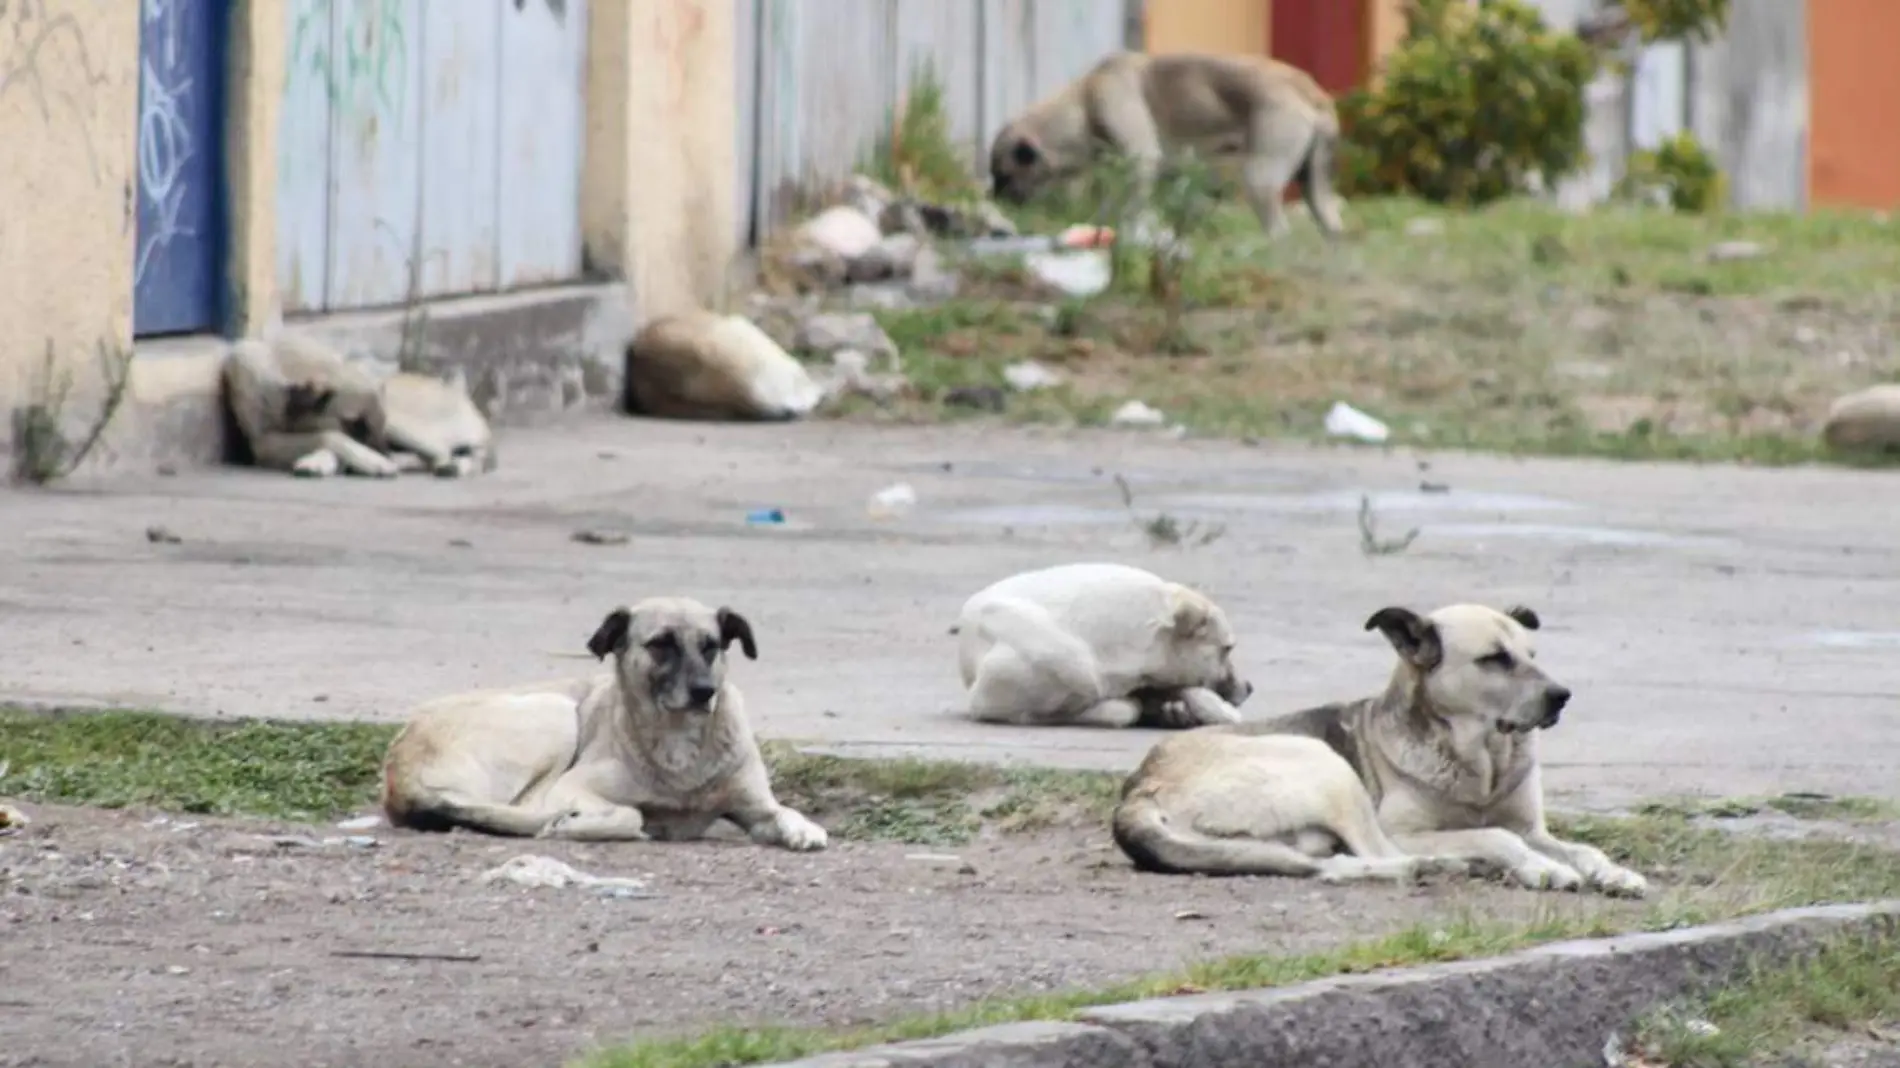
x,y
1744,95
818,81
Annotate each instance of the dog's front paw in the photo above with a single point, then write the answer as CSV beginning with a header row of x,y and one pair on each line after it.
x,y
320,464
379,467
1547,875
1620,882
799,834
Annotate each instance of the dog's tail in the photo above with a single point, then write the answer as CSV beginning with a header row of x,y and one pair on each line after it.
x,y
1156,843
1034,634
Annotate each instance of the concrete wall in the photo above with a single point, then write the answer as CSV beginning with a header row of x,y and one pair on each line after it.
x,y
68,111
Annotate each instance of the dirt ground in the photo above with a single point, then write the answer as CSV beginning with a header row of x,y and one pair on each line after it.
x,y
134,938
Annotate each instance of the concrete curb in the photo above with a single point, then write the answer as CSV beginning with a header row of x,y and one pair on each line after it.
x,y
1554,1006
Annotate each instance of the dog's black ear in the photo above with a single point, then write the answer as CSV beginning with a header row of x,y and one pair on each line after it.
x,y
1414,636
734,628
1524,616
612,635
1026,153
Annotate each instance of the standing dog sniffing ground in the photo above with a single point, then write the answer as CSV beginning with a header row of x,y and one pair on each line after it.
x,y
657,748
1097,645
1273,115
1438,772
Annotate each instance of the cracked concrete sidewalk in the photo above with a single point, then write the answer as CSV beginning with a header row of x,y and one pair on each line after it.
x,y
1727,630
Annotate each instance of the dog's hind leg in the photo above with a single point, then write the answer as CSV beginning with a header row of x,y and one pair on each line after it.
x,y
446,810
1114,713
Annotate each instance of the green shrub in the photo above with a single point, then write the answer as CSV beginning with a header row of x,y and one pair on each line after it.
x,y
917,154
1474,102
1666,20
1679,171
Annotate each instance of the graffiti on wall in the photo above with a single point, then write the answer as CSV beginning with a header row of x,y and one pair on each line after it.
x,y
40,54
361,61
165,145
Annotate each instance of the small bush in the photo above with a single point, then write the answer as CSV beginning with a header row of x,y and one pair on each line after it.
x,y
1472,104
918,154
1679,172
1668,20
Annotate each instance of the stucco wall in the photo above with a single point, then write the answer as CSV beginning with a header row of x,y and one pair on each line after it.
x,y
68,117
657,188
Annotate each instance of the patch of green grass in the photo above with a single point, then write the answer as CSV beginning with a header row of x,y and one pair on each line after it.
x,y
1518,328
1846,986
299,771
1804,806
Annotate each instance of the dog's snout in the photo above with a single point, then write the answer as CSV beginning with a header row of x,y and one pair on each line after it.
x,y
701,694
1556,697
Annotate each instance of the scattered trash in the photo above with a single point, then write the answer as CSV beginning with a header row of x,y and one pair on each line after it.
x,y
357,841
1370,543
1081,273
1729,251
841,230
360,823
161,536
177,969
1190,914
892,501
827,333
1011,246
765,517
1080,236
461,543
1346,421
1136,413
602,537
986,398
1028,376
11,820
539,872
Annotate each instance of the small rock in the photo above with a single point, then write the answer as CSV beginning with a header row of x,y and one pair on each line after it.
x,y
1190,914
1345,421
983,398
881,296
851,374
1806,335
930,280
360,823
1433,487
167,470
461,543
1727,251
892,257
1137,414
827,332
177,969
602,537
842,231
1028,376
161,536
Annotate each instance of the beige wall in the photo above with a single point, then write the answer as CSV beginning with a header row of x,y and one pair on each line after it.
x,y
68,111
1227,27
658,182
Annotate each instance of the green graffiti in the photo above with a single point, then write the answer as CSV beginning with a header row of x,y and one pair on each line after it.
x,y
361,59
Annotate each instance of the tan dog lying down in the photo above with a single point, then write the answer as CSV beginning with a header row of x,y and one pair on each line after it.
x,y
1439,772
657,748
303,408
702,365
1097,645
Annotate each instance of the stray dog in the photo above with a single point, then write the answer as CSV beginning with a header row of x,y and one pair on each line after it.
x,y
1438,773
701,365
1097,645
302,408
657,748
1274,116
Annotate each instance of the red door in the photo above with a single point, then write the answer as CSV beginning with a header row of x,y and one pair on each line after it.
x,y
1326,38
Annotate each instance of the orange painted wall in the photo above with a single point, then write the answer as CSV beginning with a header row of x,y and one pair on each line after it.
x,y
1223,27
1853,92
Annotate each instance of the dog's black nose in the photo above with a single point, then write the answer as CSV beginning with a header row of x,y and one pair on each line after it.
x,y
1556,697
702,695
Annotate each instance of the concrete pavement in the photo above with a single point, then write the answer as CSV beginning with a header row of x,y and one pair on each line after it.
x,y
1727,630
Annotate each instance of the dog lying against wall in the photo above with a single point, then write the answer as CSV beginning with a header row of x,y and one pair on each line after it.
x,y
301,407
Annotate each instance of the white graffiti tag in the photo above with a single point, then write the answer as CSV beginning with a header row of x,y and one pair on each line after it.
x,y
165,142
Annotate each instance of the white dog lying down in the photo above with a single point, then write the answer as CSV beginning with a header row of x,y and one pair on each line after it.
x,y
658,748
1097,645
1437,773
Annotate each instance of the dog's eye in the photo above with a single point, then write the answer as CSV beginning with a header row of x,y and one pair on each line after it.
x,y
709,648
663,645
1500,660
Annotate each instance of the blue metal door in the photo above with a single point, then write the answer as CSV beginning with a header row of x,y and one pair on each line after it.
x,y
178,270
